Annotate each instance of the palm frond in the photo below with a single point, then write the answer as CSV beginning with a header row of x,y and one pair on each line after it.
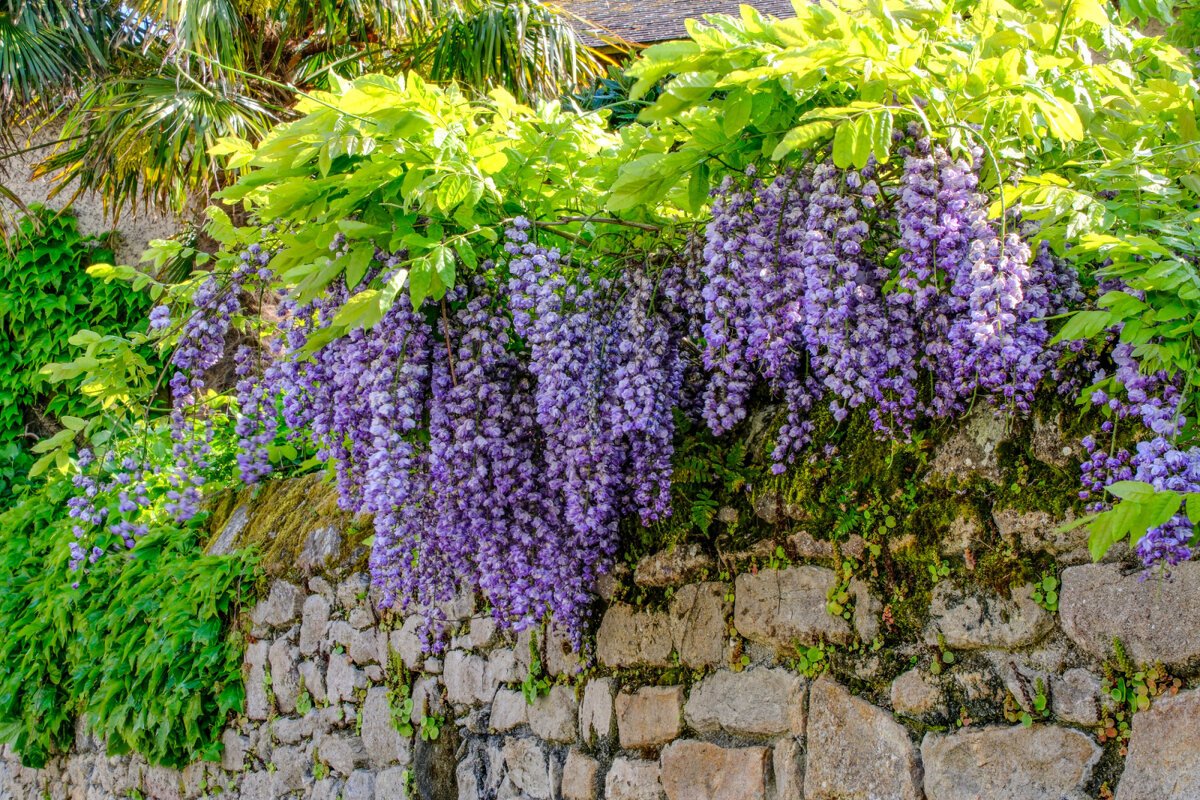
x,y
144,140
525,47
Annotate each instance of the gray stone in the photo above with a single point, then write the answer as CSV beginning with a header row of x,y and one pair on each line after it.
x,y
784,608
553,716
692,769
1076,697
290,768
969,622
313,622
1041,762
468,679
353,591
633,779
339,634
1048,444
674,566
385,746
459,607
427,699
342,753
343,678
856,750
509,710
528,767
391,784
867,609
505,666
649,717
364,646
258,704
964,532
258,786
1163,763
318,585
407,643
321,545
285,679
699,624
596,711
972,449
788,763
361,617
328,789
481,633
579,777
227,538
233,756
281,608
359,786
290,730
435,765
632,638
162,783
1154,619
561,658
757,702
1038,530
314,680
914,694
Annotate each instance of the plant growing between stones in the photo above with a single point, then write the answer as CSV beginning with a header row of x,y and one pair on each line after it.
x,y
1045,592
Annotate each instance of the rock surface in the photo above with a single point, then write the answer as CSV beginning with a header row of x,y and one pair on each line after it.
x,y
970,622
1042,762
699,618
673,567
856,750
785,608
1164,758
1155,620
758,701
692,770
631,638
633,779
649,717
914,694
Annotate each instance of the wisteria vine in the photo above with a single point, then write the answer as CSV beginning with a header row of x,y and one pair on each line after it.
x,y
499,435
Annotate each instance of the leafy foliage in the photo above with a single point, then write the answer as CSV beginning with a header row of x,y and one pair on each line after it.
x,y
139,646
46,295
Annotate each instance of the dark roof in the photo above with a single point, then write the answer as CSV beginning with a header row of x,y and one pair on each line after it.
x,y
648,21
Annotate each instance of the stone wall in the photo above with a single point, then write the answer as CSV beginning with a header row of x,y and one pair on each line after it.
x,y
135,228
728,689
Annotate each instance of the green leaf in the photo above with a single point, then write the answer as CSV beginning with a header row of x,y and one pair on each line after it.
x,y
1084,325
738,106
802,137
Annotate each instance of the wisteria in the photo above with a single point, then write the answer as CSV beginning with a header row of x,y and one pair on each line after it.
x,y
500,434
800,292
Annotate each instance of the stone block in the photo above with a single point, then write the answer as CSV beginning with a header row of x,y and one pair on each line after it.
x,y
1163,762
314,680
468,678
1155,620
343,678
783,608
407,643
1041,762
914,694
633,779
384,744
692,770
757,702
258,704
509,710
632,638
579,776
281,608
699,624
285,678
649,717
856,749
596,711
553,716
673,566
313,622
343,753
788,763
1076,697
391,784
971,622
529,767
